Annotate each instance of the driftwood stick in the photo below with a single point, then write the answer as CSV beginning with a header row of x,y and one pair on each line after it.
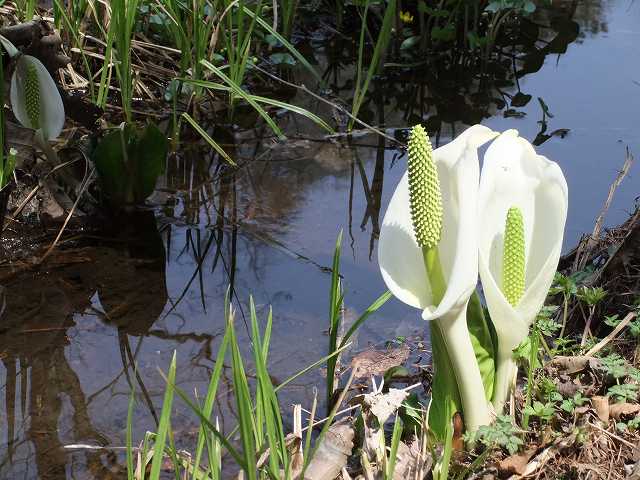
x,y
39,39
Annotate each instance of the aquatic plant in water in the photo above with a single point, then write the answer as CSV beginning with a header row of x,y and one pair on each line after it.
x,y
523,201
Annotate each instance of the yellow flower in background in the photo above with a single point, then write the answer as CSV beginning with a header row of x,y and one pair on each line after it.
x,y
406,17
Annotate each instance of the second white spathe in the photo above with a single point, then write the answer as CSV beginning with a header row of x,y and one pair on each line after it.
x,y
514,175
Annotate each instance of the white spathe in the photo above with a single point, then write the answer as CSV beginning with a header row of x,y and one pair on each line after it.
x,y
402,265
50,102
514,175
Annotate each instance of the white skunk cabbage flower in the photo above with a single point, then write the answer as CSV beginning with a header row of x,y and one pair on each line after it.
x,y
35,99
403,255
523,199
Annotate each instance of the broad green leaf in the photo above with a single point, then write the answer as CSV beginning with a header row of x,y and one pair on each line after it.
x,y
445,398
482,342
148,161
109,158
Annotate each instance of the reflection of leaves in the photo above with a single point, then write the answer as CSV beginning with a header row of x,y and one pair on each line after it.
x,y
545,108
512,113
282,59
444,34
410,42
520,100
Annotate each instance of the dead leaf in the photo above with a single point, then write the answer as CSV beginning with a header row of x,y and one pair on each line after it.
x,y
618,410
601,406
332,453
381,405
575,364
409,461
516,464
376,362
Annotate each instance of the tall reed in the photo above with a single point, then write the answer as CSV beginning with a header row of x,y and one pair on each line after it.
x,y
123,20
384,37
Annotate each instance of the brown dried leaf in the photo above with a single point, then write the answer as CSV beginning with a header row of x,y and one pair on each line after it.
x,y
618,410
376,362
575,364
516,464
601,406
332,453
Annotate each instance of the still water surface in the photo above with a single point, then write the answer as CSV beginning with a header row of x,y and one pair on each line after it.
x,y
269,229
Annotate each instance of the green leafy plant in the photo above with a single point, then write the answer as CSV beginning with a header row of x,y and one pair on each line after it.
x,y
632,425
501,434
591,296
570,404
128,162
615,365
633,328
566,286
543,411
624,392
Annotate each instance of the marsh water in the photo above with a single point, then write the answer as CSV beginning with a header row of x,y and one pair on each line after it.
x,y
70,334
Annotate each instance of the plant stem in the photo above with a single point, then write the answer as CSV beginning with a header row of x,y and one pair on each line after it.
x,y
505,370
453,350
533,352
565,313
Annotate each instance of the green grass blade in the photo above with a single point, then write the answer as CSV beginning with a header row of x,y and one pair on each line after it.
x,y
165,418
244,405
236,89
293,108
129,440
334,316
211,394
208,139
379,302
395,441
381,45
293,50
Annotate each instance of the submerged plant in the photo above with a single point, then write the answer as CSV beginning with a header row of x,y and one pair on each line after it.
x,y
523,209
428,259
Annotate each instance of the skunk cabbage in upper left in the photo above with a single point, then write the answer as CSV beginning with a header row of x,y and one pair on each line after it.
x,y
35,99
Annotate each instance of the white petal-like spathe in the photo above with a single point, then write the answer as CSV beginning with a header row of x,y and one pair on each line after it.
x,y
400,257
51,107
513,175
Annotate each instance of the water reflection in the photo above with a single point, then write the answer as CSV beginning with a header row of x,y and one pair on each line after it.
x,y
71,335
45,407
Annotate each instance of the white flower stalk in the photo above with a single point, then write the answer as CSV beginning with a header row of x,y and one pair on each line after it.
x,y
428,252
35,99
522,208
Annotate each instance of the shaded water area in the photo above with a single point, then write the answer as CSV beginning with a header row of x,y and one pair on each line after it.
x,y
70,335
